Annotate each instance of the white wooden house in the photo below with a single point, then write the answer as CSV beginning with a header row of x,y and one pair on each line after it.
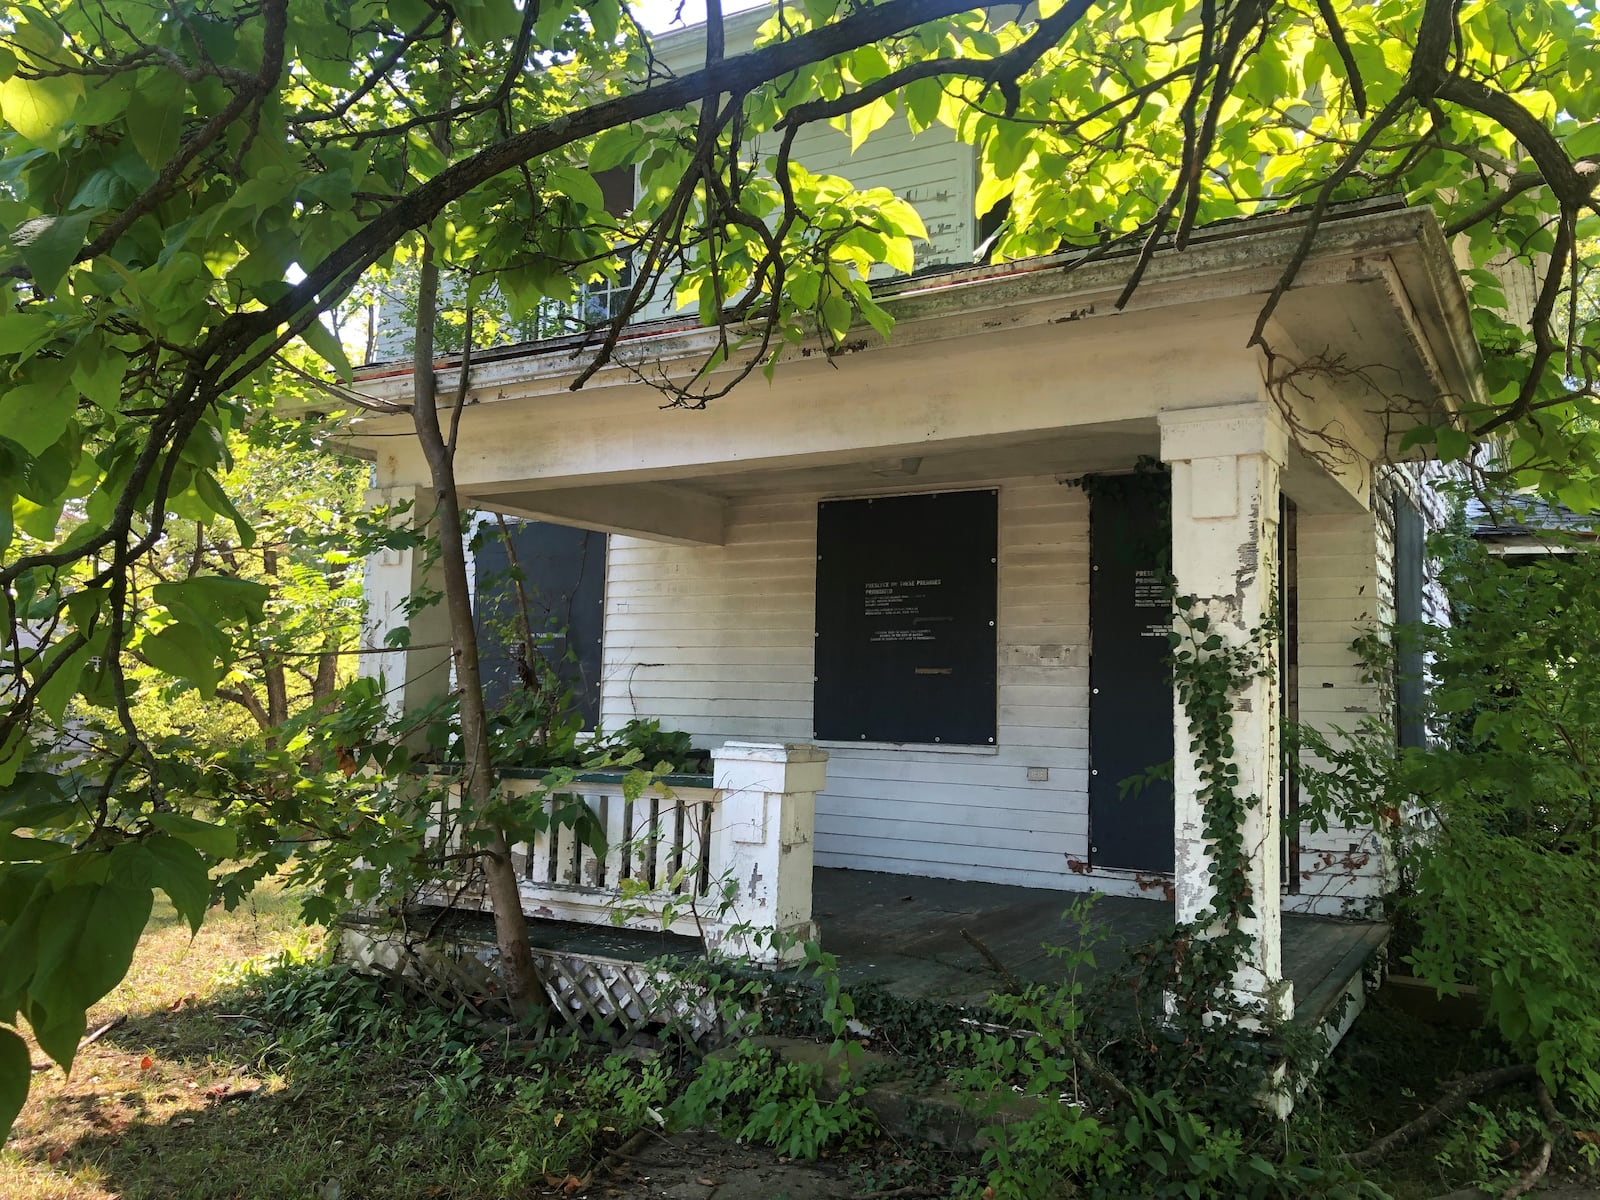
x,y
930,652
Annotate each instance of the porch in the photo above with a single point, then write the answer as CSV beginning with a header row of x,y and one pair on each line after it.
x,y
893,558
724,862
904,933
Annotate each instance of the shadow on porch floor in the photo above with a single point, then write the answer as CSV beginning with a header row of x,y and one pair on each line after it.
x,y
903,932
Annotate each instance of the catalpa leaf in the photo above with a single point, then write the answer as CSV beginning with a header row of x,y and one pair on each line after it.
x,y
16,1069
327,347
49,244
35,415
184,652
58,1035
179,871
209,599
38,109
216,840
87,933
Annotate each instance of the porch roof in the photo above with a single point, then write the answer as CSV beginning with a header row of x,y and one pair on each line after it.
x,y
1399,249
1026,368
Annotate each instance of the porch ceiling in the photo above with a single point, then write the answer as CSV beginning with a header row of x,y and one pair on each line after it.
x,y
1104,446
692,510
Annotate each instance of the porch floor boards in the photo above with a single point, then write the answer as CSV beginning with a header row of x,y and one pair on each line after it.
x,y
903,932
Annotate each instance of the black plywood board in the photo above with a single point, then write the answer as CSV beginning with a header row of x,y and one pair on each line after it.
x,y
564,572
1410,538
1130,676
906,613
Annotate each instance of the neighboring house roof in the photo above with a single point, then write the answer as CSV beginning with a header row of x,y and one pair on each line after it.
x,y
1525,524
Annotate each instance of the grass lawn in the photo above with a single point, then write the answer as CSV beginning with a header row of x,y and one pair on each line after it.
x,y
305,1081
92,1134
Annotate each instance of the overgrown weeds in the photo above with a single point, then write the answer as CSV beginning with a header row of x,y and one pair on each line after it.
x,y
292,1076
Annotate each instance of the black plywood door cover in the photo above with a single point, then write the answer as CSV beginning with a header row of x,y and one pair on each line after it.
x,y
1130,672
906,610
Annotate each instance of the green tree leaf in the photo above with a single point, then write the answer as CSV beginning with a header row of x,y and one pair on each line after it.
x,y
49,244
35,415
39,109
178,870
185,652
16,1069
87,934
219,841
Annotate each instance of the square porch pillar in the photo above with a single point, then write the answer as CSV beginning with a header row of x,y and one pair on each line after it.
x,y
417,674
761,841
1226,464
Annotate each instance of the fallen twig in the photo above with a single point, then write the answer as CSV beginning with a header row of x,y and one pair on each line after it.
x,y
233,1094
1526,1181
1453,1101
1555,1127
103,1030
623,1153
910,1189
90,1040
1013,984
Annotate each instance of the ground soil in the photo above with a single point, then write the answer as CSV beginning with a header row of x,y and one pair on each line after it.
x,y
702,1166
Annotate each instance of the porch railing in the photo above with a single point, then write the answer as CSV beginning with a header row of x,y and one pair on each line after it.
x,y
655,849
726,857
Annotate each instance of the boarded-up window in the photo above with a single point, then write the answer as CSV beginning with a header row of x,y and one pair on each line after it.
x,y
906,611
1409,550
562,573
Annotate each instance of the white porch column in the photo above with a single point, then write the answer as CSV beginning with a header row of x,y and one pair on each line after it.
x,y
418,674
1226,462
761,837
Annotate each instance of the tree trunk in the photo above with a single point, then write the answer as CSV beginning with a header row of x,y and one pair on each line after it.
x,y
327,678
477,772
272,676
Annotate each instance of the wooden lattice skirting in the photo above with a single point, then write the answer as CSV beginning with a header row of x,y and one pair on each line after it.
x,y
608,1001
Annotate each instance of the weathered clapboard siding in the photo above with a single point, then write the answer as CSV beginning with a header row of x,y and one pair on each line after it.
x,y
717,641
1343,561
931,170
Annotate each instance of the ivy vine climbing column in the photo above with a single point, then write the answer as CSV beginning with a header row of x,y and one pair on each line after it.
x,y
401,580
1226,464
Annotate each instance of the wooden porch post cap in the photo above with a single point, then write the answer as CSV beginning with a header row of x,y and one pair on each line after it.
x,y
773,752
